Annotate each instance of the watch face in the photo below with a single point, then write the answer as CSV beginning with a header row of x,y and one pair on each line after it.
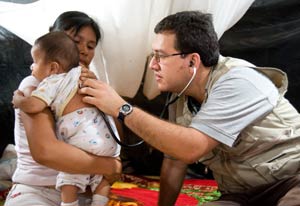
x,y
126,108
124,111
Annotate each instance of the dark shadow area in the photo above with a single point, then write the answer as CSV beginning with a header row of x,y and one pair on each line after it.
x,y
269,35
142,159
15,61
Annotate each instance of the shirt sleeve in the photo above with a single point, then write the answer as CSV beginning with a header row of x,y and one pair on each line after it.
x,y
29,81
237,99
47,89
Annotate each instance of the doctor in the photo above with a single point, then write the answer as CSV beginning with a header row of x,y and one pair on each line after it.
x,y
230,115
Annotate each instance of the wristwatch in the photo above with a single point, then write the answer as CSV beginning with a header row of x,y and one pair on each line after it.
x,y
125,110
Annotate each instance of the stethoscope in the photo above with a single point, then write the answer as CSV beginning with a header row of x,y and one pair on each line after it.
x,y
167,104
172,101
105,118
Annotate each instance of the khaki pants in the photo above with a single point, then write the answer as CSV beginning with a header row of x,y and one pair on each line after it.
x,y
285,192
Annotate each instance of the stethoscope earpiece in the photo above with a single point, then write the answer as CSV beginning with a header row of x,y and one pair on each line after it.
x,y
195,69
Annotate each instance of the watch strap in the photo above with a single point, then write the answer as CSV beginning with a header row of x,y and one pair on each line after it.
x,y
121,117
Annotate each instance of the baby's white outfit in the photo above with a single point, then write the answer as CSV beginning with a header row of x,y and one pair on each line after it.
x,y
83,128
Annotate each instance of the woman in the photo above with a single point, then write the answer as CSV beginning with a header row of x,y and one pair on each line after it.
x,y
34,183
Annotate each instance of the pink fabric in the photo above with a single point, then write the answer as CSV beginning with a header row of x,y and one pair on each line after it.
x,y
150,197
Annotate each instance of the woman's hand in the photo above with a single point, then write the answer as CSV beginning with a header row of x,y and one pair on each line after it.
x,y
115,176
86,73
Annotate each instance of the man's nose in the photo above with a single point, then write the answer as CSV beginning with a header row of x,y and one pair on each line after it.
x,y
153,64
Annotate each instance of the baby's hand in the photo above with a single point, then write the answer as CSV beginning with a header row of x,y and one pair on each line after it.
x,y
17,97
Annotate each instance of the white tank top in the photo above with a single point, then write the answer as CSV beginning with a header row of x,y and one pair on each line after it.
x,y
28,171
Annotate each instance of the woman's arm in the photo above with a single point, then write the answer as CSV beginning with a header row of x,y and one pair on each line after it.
x,y
47,150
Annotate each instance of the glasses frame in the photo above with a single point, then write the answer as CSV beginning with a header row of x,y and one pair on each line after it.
x,y
158,56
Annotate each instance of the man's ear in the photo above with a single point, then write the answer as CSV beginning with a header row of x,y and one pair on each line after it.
x,y
54,66
195,60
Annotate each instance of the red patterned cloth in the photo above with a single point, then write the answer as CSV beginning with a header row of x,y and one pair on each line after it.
x,y
145,193
194,192
149,197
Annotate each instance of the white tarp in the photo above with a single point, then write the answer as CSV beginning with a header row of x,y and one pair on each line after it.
x,y
128,31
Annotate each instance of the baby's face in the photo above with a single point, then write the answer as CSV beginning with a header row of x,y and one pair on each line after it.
x,y
40,69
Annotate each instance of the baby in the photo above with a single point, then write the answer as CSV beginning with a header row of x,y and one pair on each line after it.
x,y
56,67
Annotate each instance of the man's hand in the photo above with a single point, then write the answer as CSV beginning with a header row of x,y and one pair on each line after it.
x,y
101,95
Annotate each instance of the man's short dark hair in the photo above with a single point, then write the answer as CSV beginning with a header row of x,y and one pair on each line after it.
x,y
194,32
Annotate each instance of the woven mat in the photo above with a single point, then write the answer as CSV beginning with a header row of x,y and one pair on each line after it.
x,y
143,191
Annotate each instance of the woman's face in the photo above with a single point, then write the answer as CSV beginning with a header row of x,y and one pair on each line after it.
x,y
86,43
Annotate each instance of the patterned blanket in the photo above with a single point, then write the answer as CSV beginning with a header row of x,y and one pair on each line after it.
x,y
143,191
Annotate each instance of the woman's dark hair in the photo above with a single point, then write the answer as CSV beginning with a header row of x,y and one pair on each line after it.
x,y
75,20
58,46
194,32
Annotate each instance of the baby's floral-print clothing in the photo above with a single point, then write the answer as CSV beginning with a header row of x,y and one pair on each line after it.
x,y
83,128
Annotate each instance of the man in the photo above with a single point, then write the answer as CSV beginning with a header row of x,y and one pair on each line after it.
x,y
246,132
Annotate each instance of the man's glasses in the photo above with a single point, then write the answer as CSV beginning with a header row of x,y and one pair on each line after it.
x,y
157,56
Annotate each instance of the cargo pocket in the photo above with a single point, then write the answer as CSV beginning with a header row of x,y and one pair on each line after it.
x,y
282,165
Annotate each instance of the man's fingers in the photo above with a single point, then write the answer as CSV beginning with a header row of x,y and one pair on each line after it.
x,y
90,100
88,91
93,83
85,90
